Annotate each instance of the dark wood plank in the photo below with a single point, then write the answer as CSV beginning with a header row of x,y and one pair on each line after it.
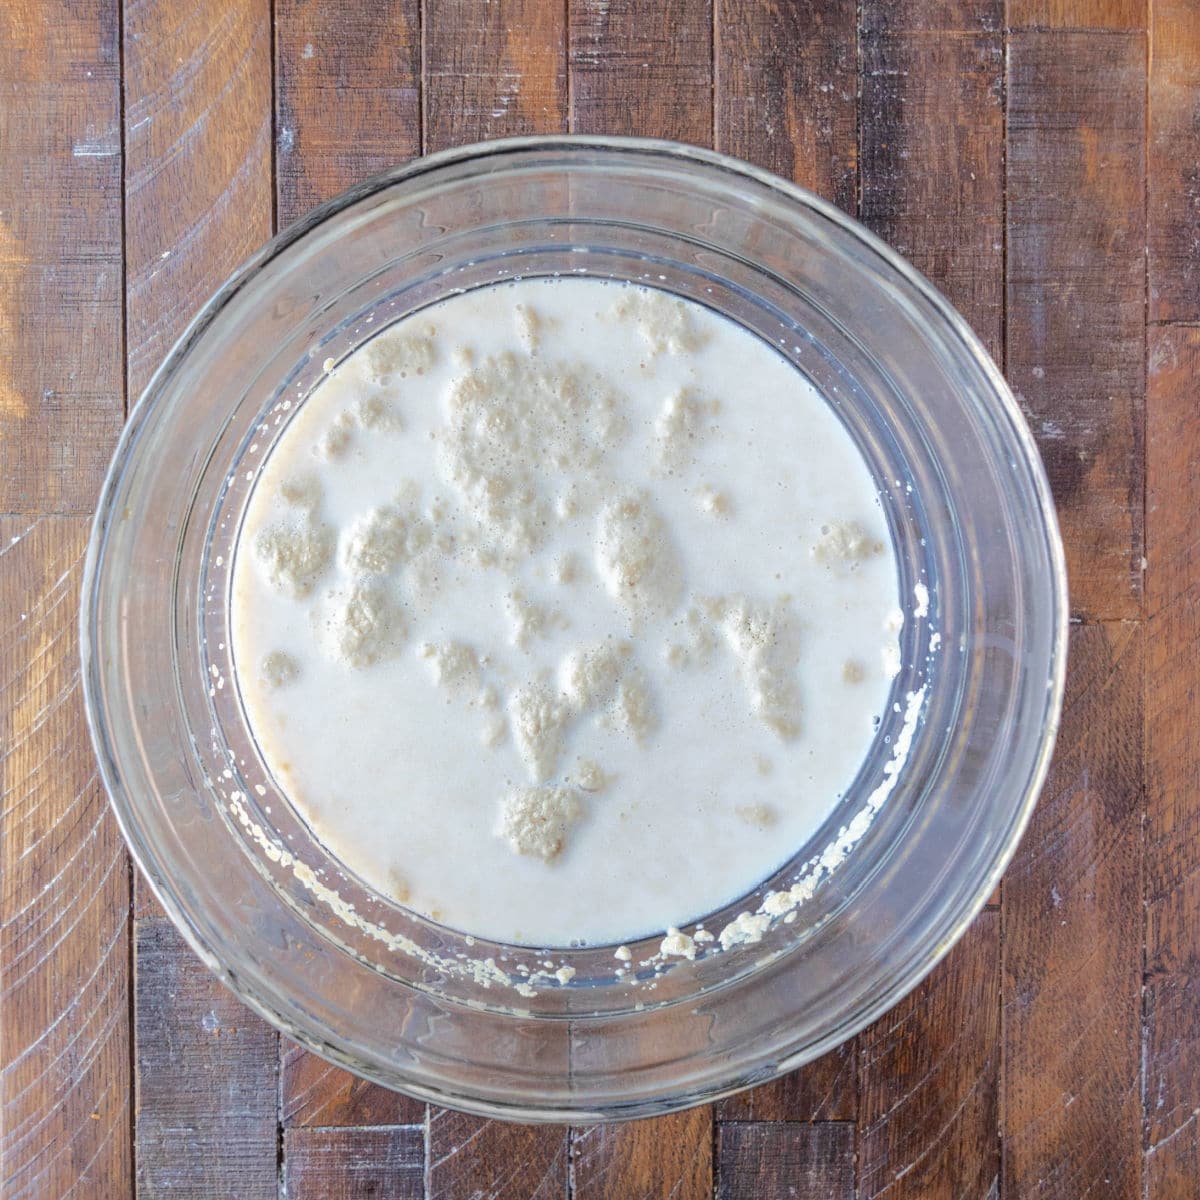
x,y
348,82
932,146
642,67
489,1160
665,1158
327,57
773,1161
1173,162
316,1093
1078,14
1072,952
197,173
64,890
1171,1033
825,1090
61,394
786,98
354,1164
929,1081
786,80
493,70
931,158
1076,275
207,1085
348,106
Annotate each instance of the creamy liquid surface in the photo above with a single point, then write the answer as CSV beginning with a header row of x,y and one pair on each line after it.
x,y
564,612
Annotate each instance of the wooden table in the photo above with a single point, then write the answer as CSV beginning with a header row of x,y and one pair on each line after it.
x,y
1039,160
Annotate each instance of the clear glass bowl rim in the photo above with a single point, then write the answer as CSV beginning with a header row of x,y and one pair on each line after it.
x,y
918,967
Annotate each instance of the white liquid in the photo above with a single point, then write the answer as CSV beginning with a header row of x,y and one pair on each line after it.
x,y
391,769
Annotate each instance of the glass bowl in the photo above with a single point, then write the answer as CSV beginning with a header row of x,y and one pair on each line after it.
x,y
925,831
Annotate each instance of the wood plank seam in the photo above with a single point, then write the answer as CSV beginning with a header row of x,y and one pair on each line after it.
x,y
568,73
713,33
124,323
273,54
131,958
859,74
273,186
858,205
1143,998
423,137
131,1013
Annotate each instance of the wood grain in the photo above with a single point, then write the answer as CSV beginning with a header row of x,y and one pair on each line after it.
x,y
932,147
931,112
1171,1032
64,890
825,1090
1078,14
316,1093
197,173
929,1081
1079,1112
206,1079
354,1164
642,67
489,71
61,394
786,83
931,160
348,95
1173,162
1076,293
489,1160
665,1157
493,70
1072,950
645,70
769,1161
